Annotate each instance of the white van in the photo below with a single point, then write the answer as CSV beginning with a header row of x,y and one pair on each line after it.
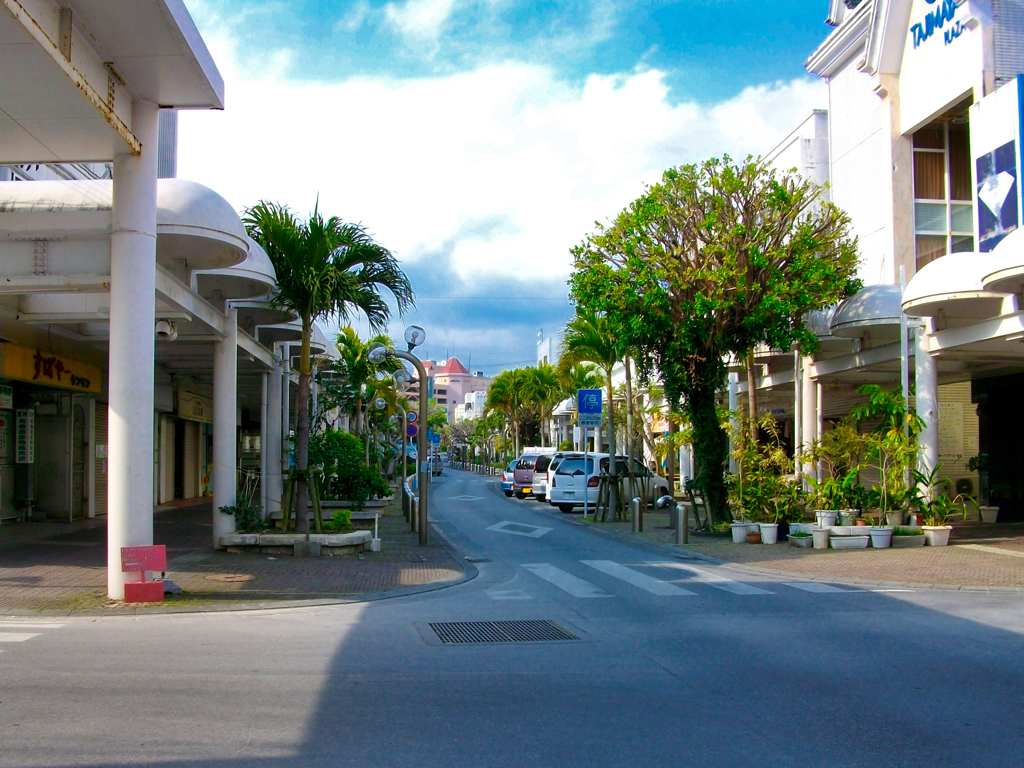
x,y
576,479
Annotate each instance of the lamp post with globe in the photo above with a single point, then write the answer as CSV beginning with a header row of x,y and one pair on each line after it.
x,y
414,337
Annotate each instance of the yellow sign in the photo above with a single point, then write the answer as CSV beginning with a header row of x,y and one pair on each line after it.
x,y
195,407
26,364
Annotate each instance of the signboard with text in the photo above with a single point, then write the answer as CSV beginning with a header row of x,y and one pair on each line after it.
x,y
195,407
38,367
589,407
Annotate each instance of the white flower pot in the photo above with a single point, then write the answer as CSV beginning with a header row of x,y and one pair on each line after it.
x,y
894,518
802,542
937,535
849,542
989,514
826,517
881,538
820,537
769,533
801,527
739,533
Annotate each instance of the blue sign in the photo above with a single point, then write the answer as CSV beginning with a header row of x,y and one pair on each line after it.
x,y
433,437
943,14
589,401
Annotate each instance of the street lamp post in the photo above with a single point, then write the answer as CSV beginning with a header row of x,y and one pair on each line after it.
x,y
414,336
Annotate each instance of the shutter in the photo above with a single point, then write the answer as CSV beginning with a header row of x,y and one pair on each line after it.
x,y
167,458
191,489
1007,39
100,465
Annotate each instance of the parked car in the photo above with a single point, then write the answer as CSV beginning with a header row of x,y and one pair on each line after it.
x,y
555,461
540,477
508,476
573,481
522,480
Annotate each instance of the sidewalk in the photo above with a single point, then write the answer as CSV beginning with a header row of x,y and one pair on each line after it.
x,y
62,567
979,555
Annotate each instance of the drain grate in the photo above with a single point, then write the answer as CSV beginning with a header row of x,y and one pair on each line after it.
x,y
462,632
478,559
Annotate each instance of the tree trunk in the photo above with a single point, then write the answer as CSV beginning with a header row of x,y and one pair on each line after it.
x,y
670,457
630,441
302,433
709,443
752,396
613,484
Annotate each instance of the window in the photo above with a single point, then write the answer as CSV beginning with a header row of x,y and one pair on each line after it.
x,y
943,203
542,463
575,467
526,462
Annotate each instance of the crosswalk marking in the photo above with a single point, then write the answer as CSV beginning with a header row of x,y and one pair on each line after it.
x,y
28,625
814,586
17,637
564,581
714,580
641,580
507,594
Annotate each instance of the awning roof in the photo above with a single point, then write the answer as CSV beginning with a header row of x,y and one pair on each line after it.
x,y
1004,267
951,290
872,312
252,278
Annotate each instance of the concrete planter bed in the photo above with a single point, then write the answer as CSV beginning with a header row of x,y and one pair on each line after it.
x,y
284,543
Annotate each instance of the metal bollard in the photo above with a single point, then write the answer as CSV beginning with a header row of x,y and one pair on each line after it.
x,y
682,524
415,514
634,509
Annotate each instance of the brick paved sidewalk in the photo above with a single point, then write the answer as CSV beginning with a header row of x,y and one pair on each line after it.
x,y
979,556
66,571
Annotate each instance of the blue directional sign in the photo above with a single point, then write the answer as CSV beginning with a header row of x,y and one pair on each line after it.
x,y
433,437
588,405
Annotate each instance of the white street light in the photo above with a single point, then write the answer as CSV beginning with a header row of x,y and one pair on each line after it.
x,y
380,403
402,376
378,353
414,336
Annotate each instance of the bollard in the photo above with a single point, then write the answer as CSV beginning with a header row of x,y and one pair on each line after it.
x,y
415,514
634,509
682,524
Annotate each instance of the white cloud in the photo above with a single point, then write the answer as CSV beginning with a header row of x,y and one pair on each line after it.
x,y
420,19
353,21
417,159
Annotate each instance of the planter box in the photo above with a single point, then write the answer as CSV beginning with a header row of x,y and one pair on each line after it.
x,y
899,542
989,514
849,542
804,542
284,543
801,527
937,535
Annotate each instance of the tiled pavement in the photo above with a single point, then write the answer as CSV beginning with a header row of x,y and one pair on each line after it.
x,y
992,560
65,568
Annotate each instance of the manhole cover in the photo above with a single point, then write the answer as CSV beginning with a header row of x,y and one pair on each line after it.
x,y
478,559
230,578
461,632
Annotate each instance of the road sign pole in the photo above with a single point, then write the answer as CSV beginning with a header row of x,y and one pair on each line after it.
x,y
586,475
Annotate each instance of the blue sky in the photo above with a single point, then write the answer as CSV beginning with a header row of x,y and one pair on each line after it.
x,y
480,139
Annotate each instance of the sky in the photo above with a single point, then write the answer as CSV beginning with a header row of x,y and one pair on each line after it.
x,y
480,140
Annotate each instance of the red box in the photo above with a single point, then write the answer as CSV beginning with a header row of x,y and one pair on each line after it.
x,y
144,592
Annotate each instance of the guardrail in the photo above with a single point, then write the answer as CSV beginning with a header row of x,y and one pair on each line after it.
x,y
480,469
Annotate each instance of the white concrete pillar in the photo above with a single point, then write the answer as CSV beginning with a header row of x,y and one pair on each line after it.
x,y
131,355
734,402
273,431
926,378
225,427
264,468
819,409
809,429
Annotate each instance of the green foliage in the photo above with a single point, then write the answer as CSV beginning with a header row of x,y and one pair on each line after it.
x,y
800,535
345,475
936,508
566,445
765,488
340,522
716,259
247,519
903,531
836,493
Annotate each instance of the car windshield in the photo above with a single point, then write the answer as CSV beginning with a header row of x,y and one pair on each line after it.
x,y
620,465
575,467
511,466
527,462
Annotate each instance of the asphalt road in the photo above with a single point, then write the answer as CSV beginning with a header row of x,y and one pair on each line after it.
x,y
677,662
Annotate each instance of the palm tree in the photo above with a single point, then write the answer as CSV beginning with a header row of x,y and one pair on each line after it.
x,y
324,267
506,395
541,388
588,338
357,369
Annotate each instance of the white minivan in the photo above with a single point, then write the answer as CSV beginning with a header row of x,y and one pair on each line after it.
x,y
576,479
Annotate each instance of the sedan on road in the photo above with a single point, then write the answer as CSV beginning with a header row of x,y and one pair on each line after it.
x,y
508,477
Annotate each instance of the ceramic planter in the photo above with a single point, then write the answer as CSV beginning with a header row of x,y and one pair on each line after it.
x,y
937,535
804,542
801,527
753,537
769,533
894,518
826,517
881,538
849,542
899,542
847,517
739,533
988,514
820,538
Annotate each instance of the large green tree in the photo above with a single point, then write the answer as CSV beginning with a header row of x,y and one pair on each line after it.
x,y
325,268
541,391
716,258
506,394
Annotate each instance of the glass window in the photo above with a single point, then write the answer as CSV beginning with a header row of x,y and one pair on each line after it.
x,y
542,463
959,162
962,244
930,175
929,248
575,467
930,137
943,192
962,219
930,217
527,462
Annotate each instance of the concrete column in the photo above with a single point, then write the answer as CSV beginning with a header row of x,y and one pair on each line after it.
x,y
798,412
286,405
264,468
926,378
734,402
819,395
225,427
131,355
273,432
809,429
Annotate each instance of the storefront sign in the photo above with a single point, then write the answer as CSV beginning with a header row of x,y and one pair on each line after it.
x,y
27,364
6,397
939,16
25,436
195,407
995,148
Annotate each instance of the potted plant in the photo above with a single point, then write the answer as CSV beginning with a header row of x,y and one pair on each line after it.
x,y
840,455
903,536
801,539
936,508
986,510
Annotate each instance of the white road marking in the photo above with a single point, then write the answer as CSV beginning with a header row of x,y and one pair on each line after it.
x,y
507,594
815,586
641,580
564,581
714,580
17,637
466,498
993,550
535,532
28,625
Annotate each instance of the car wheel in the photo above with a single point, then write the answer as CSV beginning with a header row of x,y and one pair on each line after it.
x,y
538,498
520,495
566,508
509,494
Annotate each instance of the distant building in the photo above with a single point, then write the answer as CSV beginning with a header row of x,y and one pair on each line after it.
x,y
473,407
548,350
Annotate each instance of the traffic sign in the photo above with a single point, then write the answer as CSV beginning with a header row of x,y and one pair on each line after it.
x,y
433,437
412,417
588,405
412,430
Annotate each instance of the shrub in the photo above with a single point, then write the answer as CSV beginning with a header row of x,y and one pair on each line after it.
x,y
566,445
340,522
247,519
346,477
